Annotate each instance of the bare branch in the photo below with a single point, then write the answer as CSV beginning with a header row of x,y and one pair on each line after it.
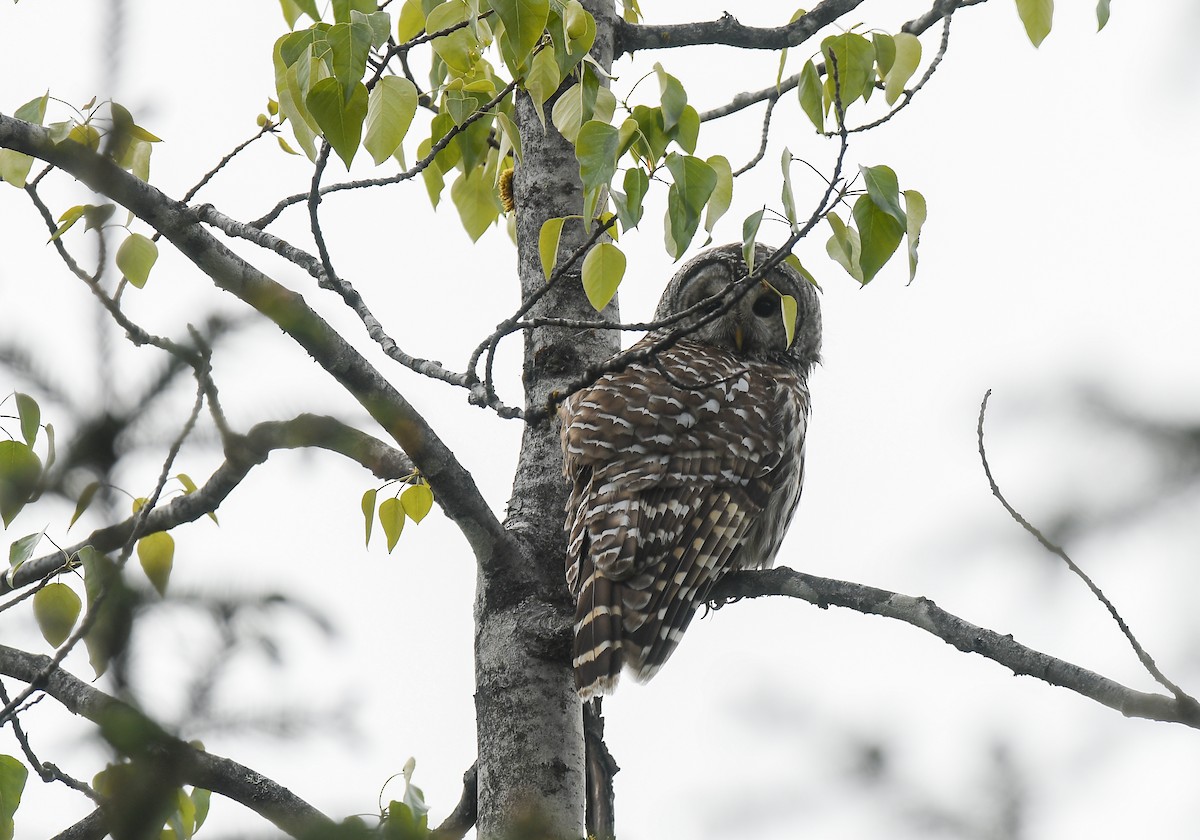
x,y
940,10
728,31
267,128
204,770
462,818
91,827
1145,658
450,481
245,453
46,771
969,638
762,146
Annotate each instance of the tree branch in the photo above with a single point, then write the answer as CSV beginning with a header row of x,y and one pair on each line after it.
x,y
462,818
728,31
940,9
269,799
969,638
452,484
1057,550
246,452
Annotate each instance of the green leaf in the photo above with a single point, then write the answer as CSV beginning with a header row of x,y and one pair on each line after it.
x,y
136,257
156,553
380,23
844,246
350,43
596,150
1038,17
340,121
343,10
783,53
68,218
21,550
908,58
410,22
56,608
189,487
50,450
567,113
879,235
687,132
579,29
603,268
12,783
368,509
884,190
417,501
1101,14
201,799
431,176
95,215
391,517
33,111
85,499
390,109
914,203
524,21
475,198
749,234
548,238
855,62
14,166
653,142
110,630
509,128
541,81
30,414
629,205
292,109
693,184
674,98
885,52
20,471
794,262
459,49
787,310
787,196
809,90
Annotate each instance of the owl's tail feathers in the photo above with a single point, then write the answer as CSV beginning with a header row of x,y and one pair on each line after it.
x,y
599,650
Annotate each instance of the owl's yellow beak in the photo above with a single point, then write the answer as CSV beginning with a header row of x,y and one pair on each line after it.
x,y
738,336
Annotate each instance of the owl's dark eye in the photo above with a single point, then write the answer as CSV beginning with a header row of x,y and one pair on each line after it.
x,y
766,305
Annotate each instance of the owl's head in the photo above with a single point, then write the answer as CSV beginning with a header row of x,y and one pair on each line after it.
x,y
754,325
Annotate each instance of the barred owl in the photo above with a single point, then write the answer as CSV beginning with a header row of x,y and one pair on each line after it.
x,y
684,466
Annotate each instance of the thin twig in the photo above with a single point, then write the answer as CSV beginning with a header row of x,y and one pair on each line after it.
x,y
1057,551
267,128
766,133
48,773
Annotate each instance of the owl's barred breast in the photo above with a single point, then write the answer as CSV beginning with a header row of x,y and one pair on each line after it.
x,y
685,465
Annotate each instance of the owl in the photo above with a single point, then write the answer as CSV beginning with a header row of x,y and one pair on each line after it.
x,y
685,466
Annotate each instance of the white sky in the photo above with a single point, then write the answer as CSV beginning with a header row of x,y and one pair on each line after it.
x,y
1059,250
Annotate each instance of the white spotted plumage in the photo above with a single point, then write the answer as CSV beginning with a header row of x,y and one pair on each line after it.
x,y
684,466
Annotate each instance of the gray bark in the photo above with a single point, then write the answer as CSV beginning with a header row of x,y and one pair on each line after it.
x,y
528,716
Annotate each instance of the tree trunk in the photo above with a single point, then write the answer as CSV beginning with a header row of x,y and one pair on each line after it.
x,y
528,716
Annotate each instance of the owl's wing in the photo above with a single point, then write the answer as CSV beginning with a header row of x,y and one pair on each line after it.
x,y
671,464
